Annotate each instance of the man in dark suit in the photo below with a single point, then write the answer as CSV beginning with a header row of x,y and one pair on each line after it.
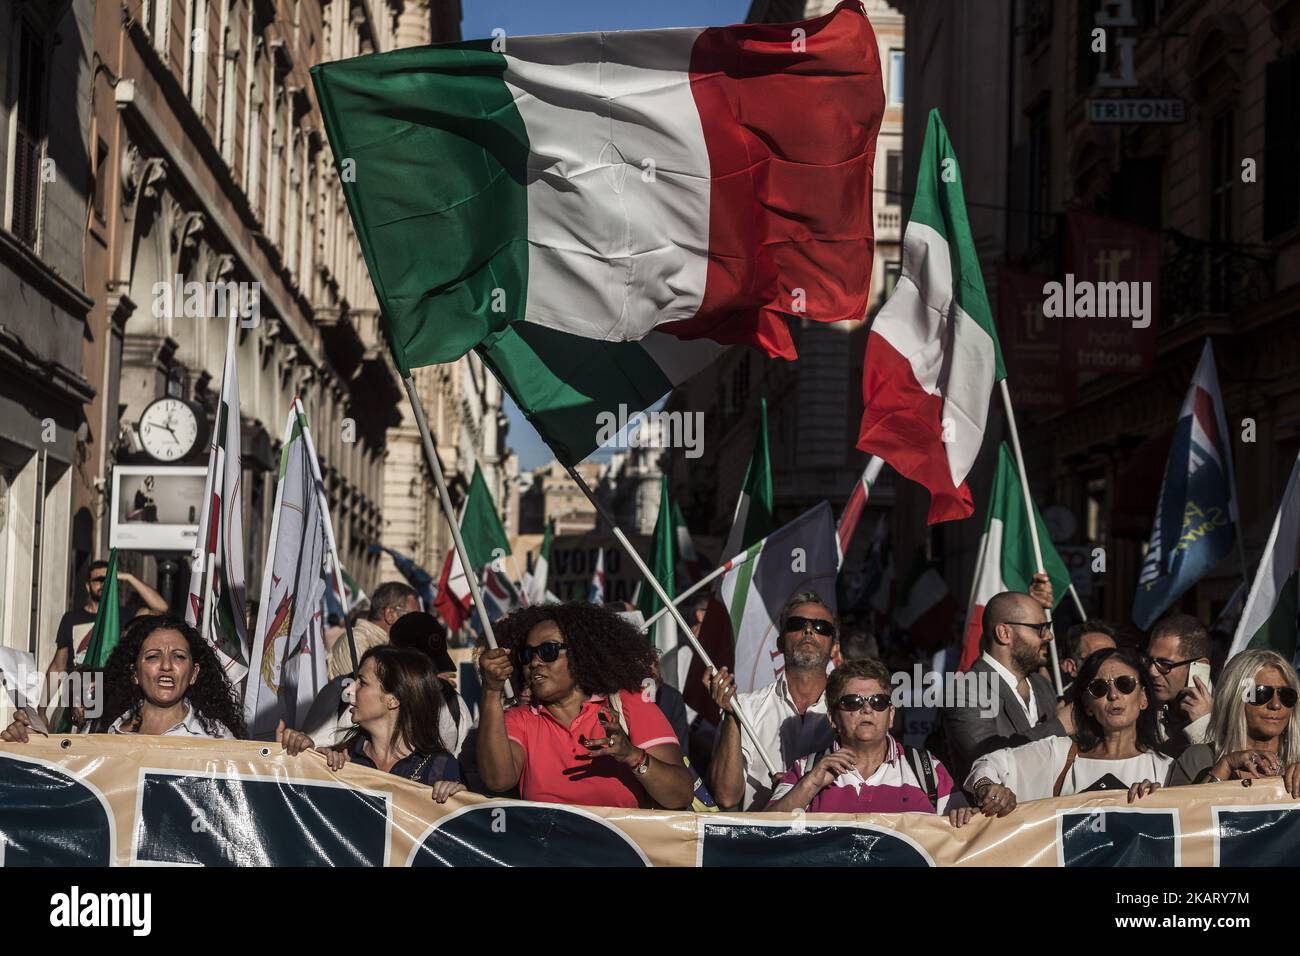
x,y
1014,644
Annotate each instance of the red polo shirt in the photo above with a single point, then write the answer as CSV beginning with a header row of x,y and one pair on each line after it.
x,y
554,771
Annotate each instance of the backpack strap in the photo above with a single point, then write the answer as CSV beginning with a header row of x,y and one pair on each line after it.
x,y
923,767
1069,762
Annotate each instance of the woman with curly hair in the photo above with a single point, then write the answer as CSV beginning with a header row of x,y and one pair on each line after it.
x,y
592,734
162,679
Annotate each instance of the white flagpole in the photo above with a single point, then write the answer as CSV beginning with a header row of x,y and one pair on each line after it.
x,y
444,496
329,532
707,579
667,602
1083,615
1033,525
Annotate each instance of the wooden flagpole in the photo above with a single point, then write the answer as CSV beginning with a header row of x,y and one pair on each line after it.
x,y
444,496
1033,525
672,608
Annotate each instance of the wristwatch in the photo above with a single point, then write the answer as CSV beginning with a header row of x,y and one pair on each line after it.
x,y
644,766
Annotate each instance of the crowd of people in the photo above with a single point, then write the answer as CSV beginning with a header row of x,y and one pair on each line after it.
x,y
573,709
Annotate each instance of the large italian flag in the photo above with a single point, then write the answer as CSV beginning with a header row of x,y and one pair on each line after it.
x,y
1269,620
932,353
600,214
1006,558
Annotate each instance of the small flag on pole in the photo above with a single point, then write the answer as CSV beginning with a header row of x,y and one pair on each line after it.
x,y
596,590
753,519
1269,620
485,541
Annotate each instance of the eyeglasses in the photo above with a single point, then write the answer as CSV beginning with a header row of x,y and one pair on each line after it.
x,y
824,628
1263,693
851,703
1164,665
1124,683
548,651
1041,628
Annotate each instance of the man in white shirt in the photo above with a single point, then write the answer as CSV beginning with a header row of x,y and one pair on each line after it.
x,y
1014,641
788,716
1182,704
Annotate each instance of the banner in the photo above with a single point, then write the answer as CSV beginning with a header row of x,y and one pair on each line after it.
x,y
1110,299
162,801
1031,344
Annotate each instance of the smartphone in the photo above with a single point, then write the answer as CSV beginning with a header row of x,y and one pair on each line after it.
x,y
1202,670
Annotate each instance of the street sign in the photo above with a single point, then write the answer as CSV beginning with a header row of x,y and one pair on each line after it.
x,y
1124,110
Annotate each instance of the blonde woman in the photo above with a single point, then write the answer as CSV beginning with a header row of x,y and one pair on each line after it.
x,y
1254,729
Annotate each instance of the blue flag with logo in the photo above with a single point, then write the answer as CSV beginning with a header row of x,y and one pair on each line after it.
x,y
1196,518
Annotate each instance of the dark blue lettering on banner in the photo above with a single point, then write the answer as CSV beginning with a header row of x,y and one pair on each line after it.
x,y
48,818
739,844
224,821
1118,838
522,835
1269,836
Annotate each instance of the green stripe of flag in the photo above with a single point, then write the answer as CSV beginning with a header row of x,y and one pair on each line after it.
x,y
463,232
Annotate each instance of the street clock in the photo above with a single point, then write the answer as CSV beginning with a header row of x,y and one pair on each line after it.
x,y
169,429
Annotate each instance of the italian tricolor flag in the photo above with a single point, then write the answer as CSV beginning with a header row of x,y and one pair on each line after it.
x,y
932,353
1006,557
600,214
1269,620
485,542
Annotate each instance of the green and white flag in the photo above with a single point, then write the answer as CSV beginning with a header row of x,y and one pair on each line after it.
x,y
485,542
289,638
800,556
221,600
663,562
1269,620
753,518
535,583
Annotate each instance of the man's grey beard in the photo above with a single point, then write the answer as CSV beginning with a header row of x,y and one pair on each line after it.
x,y
806,660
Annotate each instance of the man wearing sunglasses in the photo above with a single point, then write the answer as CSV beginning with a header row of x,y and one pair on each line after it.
x,y
1014,642
788,716
1183,701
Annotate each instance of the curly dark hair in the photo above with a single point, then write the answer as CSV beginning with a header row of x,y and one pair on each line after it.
x,y
606,653
213,698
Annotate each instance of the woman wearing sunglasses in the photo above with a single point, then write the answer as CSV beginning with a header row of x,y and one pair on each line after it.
x,y
1113,747
591,734
1254,730
866,770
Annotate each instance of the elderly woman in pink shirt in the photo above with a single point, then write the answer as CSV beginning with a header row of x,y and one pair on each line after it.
x,y
866,770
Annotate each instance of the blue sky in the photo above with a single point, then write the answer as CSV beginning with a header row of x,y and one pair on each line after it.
x,y
531,17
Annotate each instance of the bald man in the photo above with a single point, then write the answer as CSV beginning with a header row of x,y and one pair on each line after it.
x,y
1014,642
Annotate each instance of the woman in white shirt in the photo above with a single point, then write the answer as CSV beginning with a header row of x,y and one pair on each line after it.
x,y
1114,746
162,679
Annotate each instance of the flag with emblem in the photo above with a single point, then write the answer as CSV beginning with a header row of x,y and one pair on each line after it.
x,y
288,654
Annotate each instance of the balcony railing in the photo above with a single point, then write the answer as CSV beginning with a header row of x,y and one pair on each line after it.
x,y
1202,279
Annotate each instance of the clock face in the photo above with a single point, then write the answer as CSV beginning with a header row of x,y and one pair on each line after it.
x,y
168,429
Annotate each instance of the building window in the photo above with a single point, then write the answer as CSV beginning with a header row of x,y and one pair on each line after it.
x,y
895,77
894,176
1223,172
29,139
229,59
1281,172
1040,174
893,270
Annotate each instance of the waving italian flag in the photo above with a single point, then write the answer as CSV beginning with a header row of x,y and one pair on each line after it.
x,y
600,214
932,353
1006,557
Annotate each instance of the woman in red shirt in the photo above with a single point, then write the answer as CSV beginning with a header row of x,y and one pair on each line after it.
x,y
592,734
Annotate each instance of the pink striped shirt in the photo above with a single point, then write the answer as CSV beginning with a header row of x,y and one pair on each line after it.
x,y
892,788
